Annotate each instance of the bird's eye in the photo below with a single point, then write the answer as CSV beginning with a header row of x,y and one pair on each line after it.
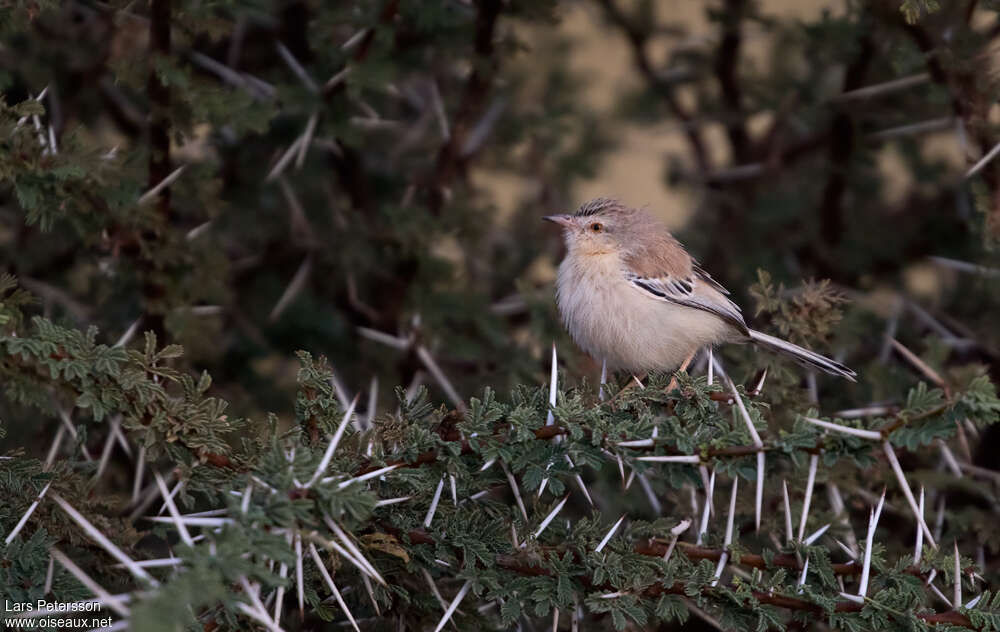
x,y
597,227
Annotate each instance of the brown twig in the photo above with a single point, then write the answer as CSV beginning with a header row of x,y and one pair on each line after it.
x,y
450,159
638,37
726,61
529,567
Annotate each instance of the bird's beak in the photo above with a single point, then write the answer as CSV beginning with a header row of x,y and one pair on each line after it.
x,y
562,220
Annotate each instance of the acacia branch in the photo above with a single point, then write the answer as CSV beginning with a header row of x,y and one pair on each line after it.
x,y
637,37
451,160
522,566
726,61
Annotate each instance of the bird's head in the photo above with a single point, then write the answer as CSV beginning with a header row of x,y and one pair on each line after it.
x,y
600,226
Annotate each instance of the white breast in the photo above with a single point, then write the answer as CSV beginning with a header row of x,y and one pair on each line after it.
x,y
613,321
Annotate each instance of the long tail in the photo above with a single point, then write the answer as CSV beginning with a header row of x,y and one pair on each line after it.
x,y
803,356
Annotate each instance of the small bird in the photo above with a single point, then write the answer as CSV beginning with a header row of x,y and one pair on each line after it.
x,y
630,295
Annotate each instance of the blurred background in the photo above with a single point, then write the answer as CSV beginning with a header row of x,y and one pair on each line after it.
x,y
364,180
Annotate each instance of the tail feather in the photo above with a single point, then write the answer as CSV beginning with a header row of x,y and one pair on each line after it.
x,y
803,356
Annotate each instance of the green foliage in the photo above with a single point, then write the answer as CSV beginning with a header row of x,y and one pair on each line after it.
x,y
278,489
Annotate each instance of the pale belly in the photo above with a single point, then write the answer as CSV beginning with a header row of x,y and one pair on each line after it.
x,y
615,322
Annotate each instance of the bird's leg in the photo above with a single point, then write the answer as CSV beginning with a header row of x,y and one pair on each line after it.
x,y
683,367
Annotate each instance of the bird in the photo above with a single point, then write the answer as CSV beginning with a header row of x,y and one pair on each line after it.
x,y
629,294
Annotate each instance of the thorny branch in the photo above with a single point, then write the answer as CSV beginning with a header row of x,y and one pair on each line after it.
x,y
638,38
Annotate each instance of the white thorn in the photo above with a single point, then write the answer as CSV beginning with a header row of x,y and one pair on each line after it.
x,y
949,458
940,595
873,517
758,501
611,532
434,503
719,567
837,504
434,589
49,576
703,472
173,492
299,584
280,592
918,547
368,476
958,577
517,492
745,415
395,342
549,518
654,502
724,558
129,333
172,508
976,168
150,194
334,442
788,511
372,403
56,444
442,380
453,606
105,543
846,549
545,481
579,482
732,513
245,500
112,602
296,67
810,482
193,521
553,387
711,366
693,459
333,587
306,140
817,534
27,514
805,570
362,561
392,501
636,443
857,432
140,466
604,379
907,492
709,493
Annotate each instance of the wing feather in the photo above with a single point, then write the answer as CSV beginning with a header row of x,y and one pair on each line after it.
x,y
694,291
659,267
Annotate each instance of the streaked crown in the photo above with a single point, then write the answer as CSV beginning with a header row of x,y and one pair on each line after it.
x,y
598,205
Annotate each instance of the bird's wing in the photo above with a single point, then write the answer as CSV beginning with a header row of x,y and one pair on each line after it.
x,y
707,278
669,274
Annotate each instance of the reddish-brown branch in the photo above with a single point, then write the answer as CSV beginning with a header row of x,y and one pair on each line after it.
x,y
159,154
528,567
726,61
637,37
842,144
450,161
